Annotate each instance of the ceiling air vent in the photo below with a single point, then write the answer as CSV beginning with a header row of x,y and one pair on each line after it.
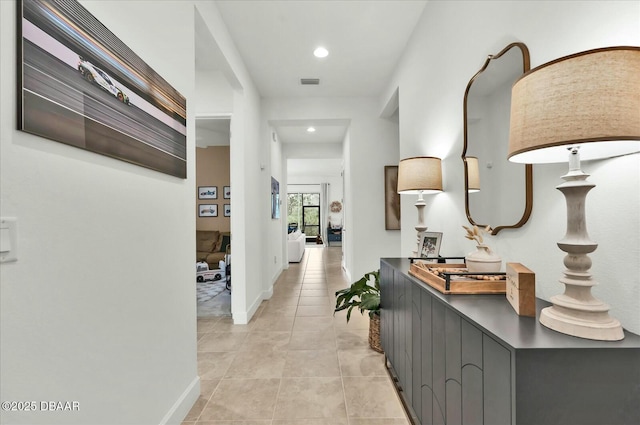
x,y
310,81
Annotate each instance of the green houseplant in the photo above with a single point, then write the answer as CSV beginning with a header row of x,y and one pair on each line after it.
x,y
364,294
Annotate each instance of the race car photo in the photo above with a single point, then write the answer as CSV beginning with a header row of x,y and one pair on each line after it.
x,y
97,76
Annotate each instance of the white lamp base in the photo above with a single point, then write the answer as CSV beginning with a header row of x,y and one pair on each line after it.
x,y
577,312
597,326
420,227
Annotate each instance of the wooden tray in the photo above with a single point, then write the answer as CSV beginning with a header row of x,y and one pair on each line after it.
x,y
458,281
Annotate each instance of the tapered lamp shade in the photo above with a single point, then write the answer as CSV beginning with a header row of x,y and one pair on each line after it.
x,y
473,174
589,99
420,174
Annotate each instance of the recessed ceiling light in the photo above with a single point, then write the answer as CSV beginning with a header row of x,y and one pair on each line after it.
x,y
311,130
320,52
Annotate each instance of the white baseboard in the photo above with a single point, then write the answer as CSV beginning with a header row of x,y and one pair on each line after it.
x,y
183,405
243,317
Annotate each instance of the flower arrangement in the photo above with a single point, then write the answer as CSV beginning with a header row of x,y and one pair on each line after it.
x,y
475,233
483,259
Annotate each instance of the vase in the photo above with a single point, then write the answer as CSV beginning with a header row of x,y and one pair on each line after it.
x,y
483,260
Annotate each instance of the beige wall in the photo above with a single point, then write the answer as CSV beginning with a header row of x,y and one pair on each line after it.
x,y
212,169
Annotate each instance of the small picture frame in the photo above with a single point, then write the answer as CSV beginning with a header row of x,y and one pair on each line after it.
x,y
227,210
430,244
226,192
208,210
207,192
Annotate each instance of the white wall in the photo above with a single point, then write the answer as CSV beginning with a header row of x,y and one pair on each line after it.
x,y
371,143
247,177
448,47
100,306
214,95
274,243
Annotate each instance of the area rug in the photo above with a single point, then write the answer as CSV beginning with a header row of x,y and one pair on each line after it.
x,y
208,290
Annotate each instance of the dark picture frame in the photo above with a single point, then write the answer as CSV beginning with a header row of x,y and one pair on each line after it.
x,y
275,199
391,198
226,192
207,192
430,244
227,210
80,85
207,210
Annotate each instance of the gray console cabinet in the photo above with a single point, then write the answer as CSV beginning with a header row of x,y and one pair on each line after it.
x,y
470,359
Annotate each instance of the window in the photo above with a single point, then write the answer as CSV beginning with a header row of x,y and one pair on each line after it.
x,y
303,212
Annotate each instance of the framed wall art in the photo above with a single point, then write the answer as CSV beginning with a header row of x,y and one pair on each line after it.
x,y
208,210
80,85
227,210
275,198
226,192
207,192
430,244
391,198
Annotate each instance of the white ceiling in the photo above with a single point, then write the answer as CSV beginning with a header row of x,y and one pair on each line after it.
x,y
276,40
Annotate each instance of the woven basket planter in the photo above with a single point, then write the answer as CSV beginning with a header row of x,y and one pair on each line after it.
x,y
374,333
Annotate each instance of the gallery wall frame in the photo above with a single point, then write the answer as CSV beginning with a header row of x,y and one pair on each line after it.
x,y
226,192
391,198
207,192
80,85
227,210
208,210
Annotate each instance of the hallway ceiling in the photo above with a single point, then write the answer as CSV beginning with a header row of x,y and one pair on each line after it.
x,y
276,40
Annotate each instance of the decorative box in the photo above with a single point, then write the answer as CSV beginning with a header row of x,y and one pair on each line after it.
x,y
521,289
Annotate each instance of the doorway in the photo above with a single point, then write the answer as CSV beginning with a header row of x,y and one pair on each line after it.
x,y
303,212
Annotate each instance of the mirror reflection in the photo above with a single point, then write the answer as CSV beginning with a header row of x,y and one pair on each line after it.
x,y
497,192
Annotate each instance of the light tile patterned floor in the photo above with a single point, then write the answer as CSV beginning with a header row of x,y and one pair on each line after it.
x,y
294,363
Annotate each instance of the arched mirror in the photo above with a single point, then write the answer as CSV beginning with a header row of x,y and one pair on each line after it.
x,y
498,193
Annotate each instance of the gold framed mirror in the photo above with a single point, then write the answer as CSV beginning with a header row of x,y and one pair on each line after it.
x,y
497,193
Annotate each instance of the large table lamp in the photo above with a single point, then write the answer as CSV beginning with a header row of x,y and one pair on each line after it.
x,y
420,175
584,106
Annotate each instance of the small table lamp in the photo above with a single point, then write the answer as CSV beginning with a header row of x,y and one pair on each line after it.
x,y
584,105
473,174
420,175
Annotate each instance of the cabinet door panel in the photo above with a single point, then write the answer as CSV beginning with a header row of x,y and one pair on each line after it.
x,y
471,374
398,328
453,367
454,403
439,362
472,412
453,346
471,345
416,348
386,309
497,382
426,351
407,310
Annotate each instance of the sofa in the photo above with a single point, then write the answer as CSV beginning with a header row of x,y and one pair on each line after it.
x,y
212,246
295,244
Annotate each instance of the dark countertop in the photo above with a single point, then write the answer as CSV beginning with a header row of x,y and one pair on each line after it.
x,y
496,317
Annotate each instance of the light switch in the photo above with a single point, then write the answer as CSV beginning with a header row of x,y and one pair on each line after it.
x,y
5,240
8,239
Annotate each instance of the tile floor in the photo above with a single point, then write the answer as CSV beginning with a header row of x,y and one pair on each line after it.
x,y
294,363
